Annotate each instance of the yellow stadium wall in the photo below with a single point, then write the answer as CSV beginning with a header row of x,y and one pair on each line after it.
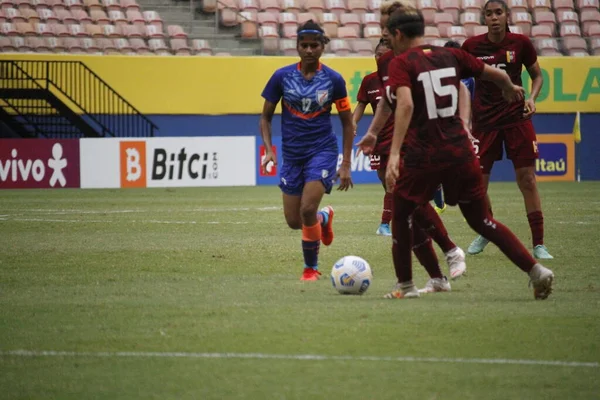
x,y
227,85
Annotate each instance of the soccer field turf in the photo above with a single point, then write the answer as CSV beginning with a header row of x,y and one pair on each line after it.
x,y
101,288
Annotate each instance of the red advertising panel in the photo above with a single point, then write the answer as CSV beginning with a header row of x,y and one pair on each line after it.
x,y
39,163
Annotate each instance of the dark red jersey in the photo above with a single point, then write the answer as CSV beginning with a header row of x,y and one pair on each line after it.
x,y
490,110
436,135
370,92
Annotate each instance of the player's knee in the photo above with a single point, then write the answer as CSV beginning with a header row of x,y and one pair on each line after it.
x,y
294,223
527,182
308,211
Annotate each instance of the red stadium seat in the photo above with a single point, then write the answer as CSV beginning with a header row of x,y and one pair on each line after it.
x,y
588,5
431,32
316,7
469,20
37,44
443,21
123,46
60,30
290,32
288,47
73,45
330,23
153,18
139,46
111,5
249,5
6,45
81,16
153,32
351,21
55,44
13,15
563,5
480,30
180,47
134,17
291,6
575,44
594,32
201,46
518,6
130,5
429,9
267,19
288,19
451,7
176,31
595,45
93,5
43,29
90,45
107,46
588,20
370,19
47,16
99,17
541,31
132,31
208,7
372,32
25,29
303,17
248,24
96,31
457,33
77,30
74,5
516,29
540,5
117,17
570,30
472,6
337,7
546,18
546,44
19,43
346,32
30,15
228,17
373,5
567,17
158,46
522,20
358,7
38,4
340,47
66,17
362,47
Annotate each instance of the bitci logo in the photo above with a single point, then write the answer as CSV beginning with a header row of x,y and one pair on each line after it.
x,y
271,169
133,164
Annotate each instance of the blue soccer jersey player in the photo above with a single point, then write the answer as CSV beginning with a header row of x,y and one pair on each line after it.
x,y
307,91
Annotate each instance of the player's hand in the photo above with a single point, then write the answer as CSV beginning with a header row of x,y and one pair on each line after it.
x,y
367,144
269,157
392,172
529,108
343,174
354,127
513,93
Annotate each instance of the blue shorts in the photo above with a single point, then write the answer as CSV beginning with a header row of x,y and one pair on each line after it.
x,y
320,167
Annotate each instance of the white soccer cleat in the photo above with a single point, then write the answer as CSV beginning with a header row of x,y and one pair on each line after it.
x,y
541,280
435,285
406,290
456,262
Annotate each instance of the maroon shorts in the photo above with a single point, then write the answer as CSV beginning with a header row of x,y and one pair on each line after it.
x,y
461,183
519,141
378,161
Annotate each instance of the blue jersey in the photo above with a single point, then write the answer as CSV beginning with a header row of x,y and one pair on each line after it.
x,y
470,84
306,109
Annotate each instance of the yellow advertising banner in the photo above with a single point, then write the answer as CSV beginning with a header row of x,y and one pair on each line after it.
x,y
230,85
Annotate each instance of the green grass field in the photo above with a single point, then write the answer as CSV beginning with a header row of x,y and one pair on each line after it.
x,y
111,283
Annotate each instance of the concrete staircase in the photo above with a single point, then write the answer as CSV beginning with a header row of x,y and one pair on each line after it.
x,y
202,26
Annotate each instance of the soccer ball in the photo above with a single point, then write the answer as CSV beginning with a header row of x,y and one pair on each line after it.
x,y
351,275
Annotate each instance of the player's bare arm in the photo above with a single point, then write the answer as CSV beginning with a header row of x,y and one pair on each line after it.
x,y
404,112
510,91
359,111
537,81
382,113
348,131
266,119
464,106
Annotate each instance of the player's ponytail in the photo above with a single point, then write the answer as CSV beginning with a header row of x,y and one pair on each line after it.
x,y
310,27
408,21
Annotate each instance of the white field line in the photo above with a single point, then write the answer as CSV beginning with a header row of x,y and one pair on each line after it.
x,y
294,357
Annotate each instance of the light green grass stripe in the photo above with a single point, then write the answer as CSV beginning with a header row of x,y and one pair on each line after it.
x,y
310,357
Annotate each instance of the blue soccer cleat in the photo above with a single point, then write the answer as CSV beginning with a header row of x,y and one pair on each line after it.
x,y
384,230
477,245
541,253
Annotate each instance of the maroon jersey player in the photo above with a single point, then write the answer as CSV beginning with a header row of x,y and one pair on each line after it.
x,y
429,225
370,93
424,85
498,124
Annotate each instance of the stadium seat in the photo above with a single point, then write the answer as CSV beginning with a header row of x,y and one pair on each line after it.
x,y
594,32
6,45
30,15
130,5
131,31
567,17
472,6
180,47
123,46
340,47
358,7
55,44
65,17
351,20
588,5
81,16
14,15
570,30
330,23
99,17
370,19
77,30
541,31
117,17
517,6
38,4
451,7
208,7
571,44
372,32
595,46
107,46
288,19
317,7
139,46
267,19
93,5
522,20
73,45
303,17
540,5
443,21
158,46
249,6
516,29
563,5
373,6
60,30
176,31
98,31
19,43
546,45
428,8
431,32
457,33
90,45
153,32
288,47
480,30
153,18
249,24
469,20
291,6
134,17
228,17
42,29
347,32
289,32
362,47
47,16
111,5
37,44
337,7
589,19
546,18
25,29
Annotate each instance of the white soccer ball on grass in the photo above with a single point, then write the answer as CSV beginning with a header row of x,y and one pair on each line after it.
x,y
351,275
